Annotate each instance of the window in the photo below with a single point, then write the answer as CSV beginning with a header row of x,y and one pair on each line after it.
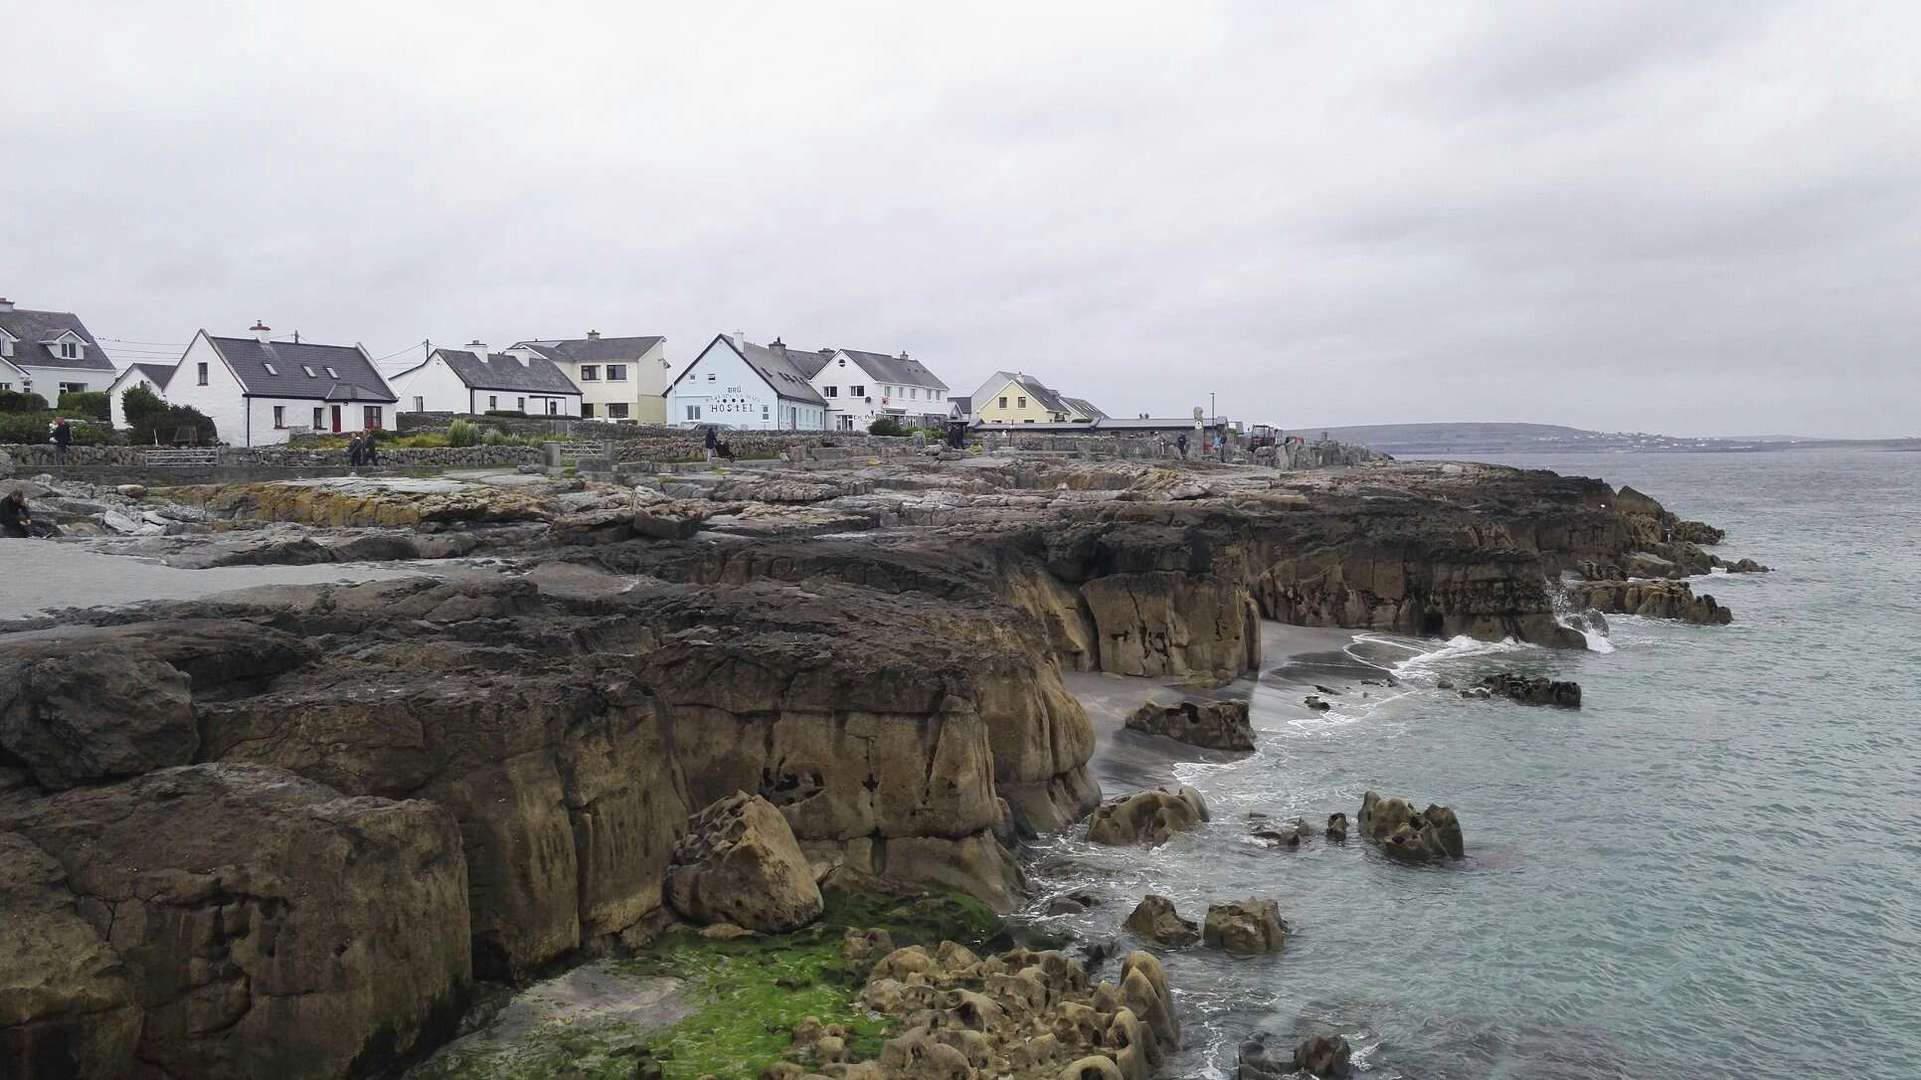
x,y
279,417
520,403
1023,402
202,373
587,410
371,415
590,373
73,388
857,391
710,376
1028,421
616,372
271,370
332,374
617,410
693,412
912,392
553,407
420,403
493,402
319,418
763,412
69,350
1003,403
841,362
309,371
830,391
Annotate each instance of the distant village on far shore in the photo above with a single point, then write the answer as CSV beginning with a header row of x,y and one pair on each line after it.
x,y
261,389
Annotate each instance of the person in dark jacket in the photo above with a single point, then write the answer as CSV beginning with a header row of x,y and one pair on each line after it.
x,y
16,520
62,438
713,441
353,451
1181,445
369,449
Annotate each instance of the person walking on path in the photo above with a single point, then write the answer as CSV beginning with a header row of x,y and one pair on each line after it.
x,y
62,438
713,441
1181,445
353,451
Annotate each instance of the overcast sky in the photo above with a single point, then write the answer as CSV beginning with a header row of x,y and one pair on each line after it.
x,y
1692,218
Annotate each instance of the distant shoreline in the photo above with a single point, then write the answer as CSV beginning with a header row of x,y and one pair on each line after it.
x,y
1442,440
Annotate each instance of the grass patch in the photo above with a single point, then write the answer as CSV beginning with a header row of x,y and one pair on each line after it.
x,y
751,993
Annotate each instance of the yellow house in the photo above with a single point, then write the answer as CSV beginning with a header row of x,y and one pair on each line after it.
x,y
1009,397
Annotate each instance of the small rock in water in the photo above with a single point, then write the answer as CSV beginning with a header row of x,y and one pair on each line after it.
x,y
1065,905
1433,833
1337,828
1257,1064
1534,690
1444,683
1322,1055
1477,693
1290,835
1313,701
1147,817
1217,725
1156,919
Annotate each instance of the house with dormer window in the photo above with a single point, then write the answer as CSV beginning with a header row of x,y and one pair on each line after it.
x,y
476,380
259,391
52,351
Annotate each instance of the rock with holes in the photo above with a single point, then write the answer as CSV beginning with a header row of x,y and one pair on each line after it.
x,y
1337,828
1147,817
1156,919
1245,927
1322,1055
739,863
1288,835
1434,833
1216,725
860,949
1093,1067
1534,689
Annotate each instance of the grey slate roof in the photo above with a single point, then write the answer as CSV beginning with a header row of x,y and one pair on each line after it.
x,y
1085,408
354,378
503,372
895,369
157,374
780,372
592,350
33,327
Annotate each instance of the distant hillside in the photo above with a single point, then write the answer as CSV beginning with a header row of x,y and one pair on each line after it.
x,y
1435,440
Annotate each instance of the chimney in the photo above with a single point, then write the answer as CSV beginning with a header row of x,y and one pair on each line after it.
x,y
778,346
593,335
5,304
260,330
740,339
478,348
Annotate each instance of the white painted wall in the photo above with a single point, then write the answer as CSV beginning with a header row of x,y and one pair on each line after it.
x,y
725,389
117,394
640,391
439,389
47,378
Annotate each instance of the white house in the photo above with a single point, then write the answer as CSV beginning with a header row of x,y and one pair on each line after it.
x,y
53,352
152,376
258,391
861,387
620,378
473,380
735,383
13,380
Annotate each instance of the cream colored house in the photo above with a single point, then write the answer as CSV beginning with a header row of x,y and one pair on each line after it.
x,y
620,378
1010,397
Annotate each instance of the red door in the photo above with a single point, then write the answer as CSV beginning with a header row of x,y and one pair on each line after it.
x,y
336,411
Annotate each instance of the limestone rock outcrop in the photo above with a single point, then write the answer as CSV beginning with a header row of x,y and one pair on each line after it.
x,y
738,863
1698,532
1316,1055
1654,599
266,925
1173,623
1216,725
1434,833
1147,818
1245,927
1156,919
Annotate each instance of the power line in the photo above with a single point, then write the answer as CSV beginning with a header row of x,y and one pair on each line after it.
x,y
131,341
397,352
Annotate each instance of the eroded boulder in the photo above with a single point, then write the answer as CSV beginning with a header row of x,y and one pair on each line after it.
x,y
1534,689
1434,833
739,863
1156,919
78,715
1287,835
1245,927
1216,725
1147,818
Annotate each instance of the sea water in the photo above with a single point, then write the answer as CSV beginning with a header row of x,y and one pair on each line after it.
x,y
1709,870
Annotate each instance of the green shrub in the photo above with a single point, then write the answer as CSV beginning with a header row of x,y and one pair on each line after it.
x,y
463,432
506,412
85,404
886,425
151,421
13,401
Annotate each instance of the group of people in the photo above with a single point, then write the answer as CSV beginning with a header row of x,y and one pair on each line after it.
x,y
361,450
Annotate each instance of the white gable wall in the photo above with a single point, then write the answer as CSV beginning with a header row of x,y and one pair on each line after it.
x,y
849,410
437,387
719,387
117,394
220,399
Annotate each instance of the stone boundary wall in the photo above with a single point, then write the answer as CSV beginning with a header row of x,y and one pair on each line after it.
x,y
38,457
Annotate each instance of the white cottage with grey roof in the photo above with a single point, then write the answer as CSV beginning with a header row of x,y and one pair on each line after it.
x,y
258,391
861,387
52,351
474,380
737,384
622,379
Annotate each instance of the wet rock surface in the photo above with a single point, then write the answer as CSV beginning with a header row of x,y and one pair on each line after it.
x,y
1534,689
1216,725
1155,919
1431,834
1245,927
1147,818
738,863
